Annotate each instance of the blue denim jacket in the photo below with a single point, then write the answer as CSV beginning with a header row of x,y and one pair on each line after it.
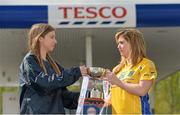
x,y
46,93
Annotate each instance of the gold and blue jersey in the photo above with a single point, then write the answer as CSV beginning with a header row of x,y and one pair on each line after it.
x,y
124,102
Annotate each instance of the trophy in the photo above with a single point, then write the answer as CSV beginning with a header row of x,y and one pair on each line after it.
x,y
95,96
96,72
92,95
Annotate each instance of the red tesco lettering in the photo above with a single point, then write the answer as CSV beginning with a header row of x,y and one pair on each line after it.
x,y
93,12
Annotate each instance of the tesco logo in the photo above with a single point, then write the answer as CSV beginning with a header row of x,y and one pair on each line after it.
x,y
104,12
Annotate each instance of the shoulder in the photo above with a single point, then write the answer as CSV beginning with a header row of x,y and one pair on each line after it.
x,y
29,58
147,62
30,63
148,69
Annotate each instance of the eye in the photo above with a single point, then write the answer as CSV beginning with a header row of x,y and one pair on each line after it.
x,y
52,37
120,42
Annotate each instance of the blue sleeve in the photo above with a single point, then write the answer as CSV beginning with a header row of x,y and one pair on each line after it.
x,y
37,78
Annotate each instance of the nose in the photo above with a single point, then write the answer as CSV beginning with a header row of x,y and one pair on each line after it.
x,y
118,46
55,41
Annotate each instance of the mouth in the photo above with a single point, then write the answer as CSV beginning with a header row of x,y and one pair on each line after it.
x,y
121,51
53,46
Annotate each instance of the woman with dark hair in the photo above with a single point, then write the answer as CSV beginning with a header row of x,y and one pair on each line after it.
x,y
43,82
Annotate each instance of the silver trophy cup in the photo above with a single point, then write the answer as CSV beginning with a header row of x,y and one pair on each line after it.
x,y
96,72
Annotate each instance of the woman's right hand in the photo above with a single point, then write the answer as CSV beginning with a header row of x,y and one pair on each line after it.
x,y
83,70
111,77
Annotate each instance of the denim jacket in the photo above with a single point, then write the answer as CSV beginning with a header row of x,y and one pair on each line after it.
x,y
42,93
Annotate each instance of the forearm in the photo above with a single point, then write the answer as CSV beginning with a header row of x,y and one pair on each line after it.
x,y
136,89
131,88
54,81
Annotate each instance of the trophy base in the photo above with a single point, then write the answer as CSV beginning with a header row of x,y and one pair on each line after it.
x,y
94,101
92,106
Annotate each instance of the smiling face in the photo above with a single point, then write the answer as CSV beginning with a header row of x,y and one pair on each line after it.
x,y
123,47
48,42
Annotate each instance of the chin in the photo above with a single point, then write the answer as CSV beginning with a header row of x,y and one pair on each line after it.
x,y
51,50
122,55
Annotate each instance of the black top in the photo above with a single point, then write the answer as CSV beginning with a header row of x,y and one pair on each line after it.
x,y
46,93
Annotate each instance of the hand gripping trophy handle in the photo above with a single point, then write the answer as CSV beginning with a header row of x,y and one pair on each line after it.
x,y
96,72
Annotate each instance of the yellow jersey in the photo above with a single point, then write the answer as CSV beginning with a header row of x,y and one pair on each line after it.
x,y
127,103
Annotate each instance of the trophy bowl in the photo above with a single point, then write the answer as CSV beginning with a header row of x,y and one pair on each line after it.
x,y
96,72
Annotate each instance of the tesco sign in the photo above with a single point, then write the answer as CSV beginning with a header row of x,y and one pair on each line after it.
x,y
93,12
92,16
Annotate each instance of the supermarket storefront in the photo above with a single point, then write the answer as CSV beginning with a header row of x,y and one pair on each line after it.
x,y
86,31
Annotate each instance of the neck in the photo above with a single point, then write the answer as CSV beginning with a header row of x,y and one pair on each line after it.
x,y
43,53
128,61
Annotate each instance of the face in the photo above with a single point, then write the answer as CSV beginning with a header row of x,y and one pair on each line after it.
x,y
48,42
123,47
91,111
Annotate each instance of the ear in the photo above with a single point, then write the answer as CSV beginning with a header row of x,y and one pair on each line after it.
x,y
40,39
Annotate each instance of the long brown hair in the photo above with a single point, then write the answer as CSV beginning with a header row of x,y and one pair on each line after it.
x,y
37,31
137,44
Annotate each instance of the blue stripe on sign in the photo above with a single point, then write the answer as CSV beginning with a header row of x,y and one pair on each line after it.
x,y
22,16
92,22
106,22
158,15
64,23
120,22
78,22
